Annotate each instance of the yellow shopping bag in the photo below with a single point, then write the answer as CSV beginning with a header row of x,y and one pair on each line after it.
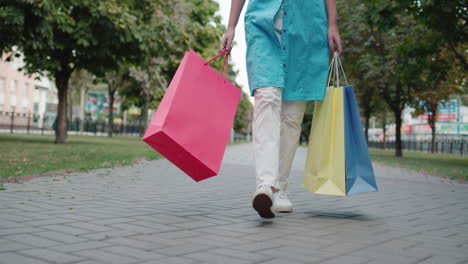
x,y
325,167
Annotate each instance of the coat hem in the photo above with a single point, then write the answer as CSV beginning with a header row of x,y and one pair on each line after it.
x,y
294,97
303,98
252,93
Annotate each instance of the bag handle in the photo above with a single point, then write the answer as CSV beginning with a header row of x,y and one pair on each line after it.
x,y
331,69
341,67
224,70
334,70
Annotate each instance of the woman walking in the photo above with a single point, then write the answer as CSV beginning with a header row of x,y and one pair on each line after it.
x,y
288,48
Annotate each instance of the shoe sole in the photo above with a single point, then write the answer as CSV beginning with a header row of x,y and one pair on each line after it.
x,y
262,204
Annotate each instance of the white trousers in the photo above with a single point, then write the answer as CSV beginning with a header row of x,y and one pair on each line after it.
x,y
276,130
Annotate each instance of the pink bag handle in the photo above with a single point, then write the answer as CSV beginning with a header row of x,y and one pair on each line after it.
x,y
226,60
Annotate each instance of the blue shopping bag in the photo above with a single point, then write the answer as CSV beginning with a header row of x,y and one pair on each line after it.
x,y
359,173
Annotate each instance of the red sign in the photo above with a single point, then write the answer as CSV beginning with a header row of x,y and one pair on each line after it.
x,y
440,116
423,128
407,129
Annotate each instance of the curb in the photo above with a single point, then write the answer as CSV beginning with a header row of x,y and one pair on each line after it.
x,y
34,176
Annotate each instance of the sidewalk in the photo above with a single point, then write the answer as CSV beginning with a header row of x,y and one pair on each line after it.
x,y
153,213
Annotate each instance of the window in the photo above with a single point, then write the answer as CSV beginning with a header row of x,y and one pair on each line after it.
x,y
25,90
25,95
2,91
36,95
13,85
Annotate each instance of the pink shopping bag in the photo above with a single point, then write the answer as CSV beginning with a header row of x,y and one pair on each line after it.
x,y
193,122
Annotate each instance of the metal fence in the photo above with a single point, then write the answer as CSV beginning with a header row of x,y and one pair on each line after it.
x,y
447,146
27,123
11,122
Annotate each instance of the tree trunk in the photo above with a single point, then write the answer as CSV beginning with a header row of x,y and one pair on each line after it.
x,y
397,107
83,92
110,130
144,119
124,131
432,120
61,81
366,128
433,131
384,128
398,149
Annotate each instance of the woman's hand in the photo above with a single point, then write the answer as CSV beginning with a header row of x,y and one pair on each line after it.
x,y
226,41
334,39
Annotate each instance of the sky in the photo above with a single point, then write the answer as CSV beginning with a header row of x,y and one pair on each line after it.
x,y
238,51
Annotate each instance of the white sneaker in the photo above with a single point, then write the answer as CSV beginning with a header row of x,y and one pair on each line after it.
x,y
263,201
281,203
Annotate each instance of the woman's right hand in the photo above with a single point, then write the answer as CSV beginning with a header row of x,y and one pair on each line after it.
x,y
226,41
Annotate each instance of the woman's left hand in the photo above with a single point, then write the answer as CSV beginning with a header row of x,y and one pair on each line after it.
x,y
334,39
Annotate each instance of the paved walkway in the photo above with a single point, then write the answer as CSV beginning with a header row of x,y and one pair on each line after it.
x,y
153,213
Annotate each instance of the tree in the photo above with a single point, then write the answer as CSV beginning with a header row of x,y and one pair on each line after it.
x,y
370,58
80,82
385,120
446,18
198,28
355,36
243,114
59,37
438,89
115,80
390,54
402,50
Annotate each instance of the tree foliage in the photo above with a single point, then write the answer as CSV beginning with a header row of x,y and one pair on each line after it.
x,y
394,53
446,19
59,36
198,28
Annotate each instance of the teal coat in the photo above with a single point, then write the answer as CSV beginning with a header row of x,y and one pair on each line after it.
x,y
300,64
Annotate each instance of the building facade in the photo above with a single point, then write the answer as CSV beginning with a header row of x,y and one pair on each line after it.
x,y
24,98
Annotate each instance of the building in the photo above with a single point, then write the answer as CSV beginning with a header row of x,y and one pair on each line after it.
x,y
24,98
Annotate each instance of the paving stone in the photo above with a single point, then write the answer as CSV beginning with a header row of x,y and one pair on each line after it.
x,y
8,245
206,257
11,257
104,257
127,241
48,222
90,226
18,230
50,255
109,234
158,241
82,246
89,262
67,229
346,259
60,237
32,240
281,261
182,249
133,252
252,257
172,260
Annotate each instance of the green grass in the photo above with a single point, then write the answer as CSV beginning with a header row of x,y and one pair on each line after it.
x,y
30,154
453,166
